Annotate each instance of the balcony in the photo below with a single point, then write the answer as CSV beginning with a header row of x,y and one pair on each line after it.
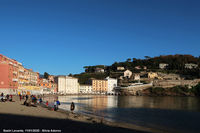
x,y
19,63
21,76
15,80
21,70
14,72
10,63
21,82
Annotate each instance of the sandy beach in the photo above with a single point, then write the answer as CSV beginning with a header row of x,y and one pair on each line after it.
x,y
14,116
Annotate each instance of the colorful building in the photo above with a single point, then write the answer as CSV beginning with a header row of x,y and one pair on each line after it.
x,y
8,75
15,79
47,86
99,86
85,89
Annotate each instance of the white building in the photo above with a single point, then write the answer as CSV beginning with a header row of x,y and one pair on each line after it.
x,y
61,84
85,89
112,83
136,77
191,66
163,65
127,73
99,70
67,85
120,68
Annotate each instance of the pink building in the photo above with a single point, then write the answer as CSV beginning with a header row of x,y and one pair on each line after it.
x,y
8,75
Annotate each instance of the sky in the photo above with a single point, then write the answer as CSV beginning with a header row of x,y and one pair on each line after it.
x,y
63,36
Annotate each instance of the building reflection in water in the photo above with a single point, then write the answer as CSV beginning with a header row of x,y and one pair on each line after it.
x,y
96,103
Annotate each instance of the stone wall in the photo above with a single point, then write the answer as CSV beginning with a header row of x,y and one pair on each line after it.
x,y
133,90
172,83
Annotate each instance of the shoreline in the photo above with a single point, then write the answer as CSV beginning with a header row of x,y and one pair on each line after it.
x,y
97,119
16,109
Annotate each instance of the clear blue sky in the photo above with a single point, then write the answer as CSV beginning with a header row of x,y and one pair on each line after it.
x,y
62,36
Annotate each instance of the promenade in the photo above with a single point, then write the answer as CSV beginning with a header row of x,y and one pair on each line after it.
x,y
15,116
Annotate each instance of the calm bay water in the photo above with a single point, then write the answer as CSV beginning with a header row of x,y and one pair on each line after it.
x,y
172,114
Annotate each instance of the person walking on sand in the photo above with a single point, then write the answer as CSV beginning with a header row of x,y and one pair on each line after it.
x,y
72,107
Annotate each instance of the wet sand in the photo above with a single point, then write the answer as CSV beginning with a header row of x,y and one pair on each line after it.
x,y
14,115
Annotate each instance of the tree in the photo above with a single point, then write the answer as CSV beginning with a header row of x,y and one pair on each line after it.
x,y
128,60
46,75
134,59
147,57
70,74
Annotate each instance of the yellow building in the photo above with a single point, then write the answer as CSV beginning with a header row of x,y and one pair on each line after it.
x,y
28,81
99,86
21,75
152,75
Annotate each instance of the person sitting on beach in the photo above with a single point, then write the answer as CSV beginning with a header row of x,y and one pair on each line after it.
x,y
26,97
34,99
58,102
7,97
2,99
10,98
40,100
28,102
72,107
47,103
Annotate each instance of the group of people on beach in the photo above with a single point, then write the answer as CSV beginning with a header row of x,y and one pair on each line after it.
x,y
57,103
6,97
32,100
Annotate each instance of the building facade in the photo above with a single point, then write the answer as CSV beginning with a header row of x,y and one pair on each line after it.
x,y
99,86
61,81
136,76
127,74
99,70
120,68
112,84
85,89
163,65
15,79
191,66
152,75
8,75
67,85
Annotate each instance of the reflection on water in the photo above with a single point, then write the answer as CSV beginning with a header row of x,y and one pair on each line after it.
x,y
166,113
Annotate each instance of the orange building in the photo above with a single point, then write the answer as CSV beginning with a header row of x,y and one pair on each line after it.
x,y
48,84
99,86
8,75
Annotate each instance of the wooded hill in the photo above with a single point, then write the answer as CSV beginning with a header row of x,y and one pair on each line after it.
x,y
176,64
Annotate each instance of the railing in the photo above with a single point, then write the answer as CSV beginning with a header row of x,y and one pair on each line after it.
x,y
21,70
21,76
15,80
14,72
11,63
